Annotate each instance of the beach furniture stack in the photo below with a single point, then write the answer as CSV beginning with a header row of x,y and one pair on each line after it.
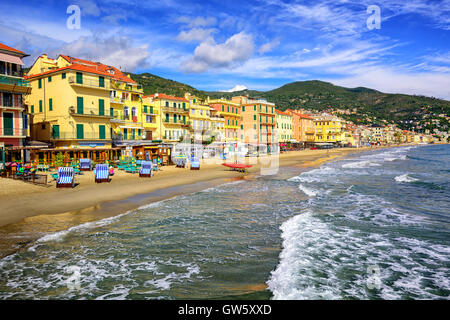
x,y
101,173
195,163
66,178
85,164
146,169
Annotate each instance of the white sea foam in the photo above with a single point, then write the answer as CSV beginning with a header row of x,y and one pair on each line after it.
x,y
361,164
308,191
405,178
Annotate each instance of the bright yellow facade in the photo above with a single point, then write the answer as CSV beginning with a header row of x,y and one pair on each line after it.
x,y
151,119
70,107
329,129
199,117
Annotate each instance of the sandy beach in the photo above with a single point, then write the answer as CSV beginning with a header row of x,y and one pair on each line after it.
x,y
28,211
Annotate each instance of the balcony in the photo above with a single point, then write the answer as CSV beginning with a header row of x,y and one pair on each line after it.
x,y
267,122
103,136
117,100
13,133
175,110
128,137
89,83
14,84
88,112
172,121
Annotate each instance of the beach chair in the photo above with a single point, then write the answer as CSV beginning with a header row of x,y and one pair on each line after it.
x,y
195,163
85,164
102,173
146,169
66,178
155,165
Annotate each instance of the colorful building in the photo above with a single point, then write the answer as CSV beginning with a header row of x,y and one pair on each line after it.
x,y
199,118
231,113
174,126
258,121
304,129
284,126
151,119
13,112
329,129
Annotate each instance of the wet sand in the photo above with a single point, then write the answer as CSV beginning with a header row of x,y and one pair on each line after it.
x,y
28,212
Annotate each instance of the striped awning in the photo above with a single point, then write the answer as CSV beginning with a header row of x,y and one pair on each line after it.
x,y
10,58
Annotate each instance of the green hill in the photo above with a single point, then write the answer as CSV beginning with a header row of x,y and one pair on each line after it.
x,y
319,96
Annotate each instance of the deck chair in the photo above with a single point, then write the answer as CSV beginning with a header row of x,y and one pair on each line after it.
x,y
85,164
146,169
66,178
195,163
102,173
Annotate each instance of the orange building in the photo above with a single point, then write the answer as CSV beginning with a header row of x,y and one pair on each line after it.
x,y
231,112
258,121
303,127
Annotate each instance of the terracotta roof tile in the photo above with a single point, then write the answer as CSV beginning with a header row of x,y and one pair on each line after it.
x,y
5,47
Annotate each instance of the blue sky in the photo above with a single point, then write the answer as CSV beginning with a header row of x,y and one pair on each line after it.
x,y
218,45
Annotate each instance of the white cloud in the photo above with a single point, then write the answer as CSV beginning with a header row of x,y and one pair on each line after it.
x,y
195,22
88,7
237,49
269,46
195,34
114,51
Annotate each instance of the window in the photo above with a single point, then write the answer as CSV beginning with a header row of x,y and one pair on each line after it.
x,y
40,105
80,105
50,104
55,131
184,105
174,105
254,116
223,108
79,78
101,82
63,76
50,79
80,131
101,107
148,118
111,112
167,103
133,111
145,109
255,107
243,108
101,132
40,83
32,108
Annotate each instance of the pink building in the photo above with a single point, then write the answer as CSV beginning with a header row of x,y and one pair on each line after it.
x,y
13,116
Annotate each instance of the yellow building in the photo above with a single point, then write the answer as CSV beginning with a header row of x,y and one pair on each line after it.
x,y
151,118
329,129
284,126
217,125
69,105
199,118
174,115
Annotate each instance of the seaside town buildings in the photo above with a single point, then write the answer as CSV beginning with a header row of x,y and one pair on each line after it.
x,y
87,109
14,123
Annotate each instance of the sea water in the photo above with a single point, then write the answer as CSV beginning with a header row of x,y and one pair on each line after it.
x,y
374,226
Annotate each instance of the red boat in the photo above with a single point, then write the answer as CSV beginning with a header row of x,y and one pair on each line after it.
x,y
237,166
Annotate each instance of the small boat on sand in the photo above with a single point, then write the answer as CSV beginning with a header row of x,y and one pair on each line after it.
x,y
237,166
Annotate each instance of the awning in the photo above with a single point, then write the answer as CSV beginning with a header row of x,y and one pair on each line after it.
x,y
9,58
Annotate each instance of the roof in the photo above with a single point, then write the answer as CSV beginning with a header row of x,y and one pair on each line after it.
x,y
7,48
301,115
116,73
165,96
77,67
283,113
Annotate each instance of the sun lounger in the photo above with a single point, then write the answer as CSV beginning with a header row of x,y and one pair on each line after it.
x,y
66,178
195,164
101,173
146,169
85,164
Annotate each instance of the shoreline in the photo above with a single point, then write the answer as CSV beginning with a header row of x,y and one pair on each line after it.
x,y
41,214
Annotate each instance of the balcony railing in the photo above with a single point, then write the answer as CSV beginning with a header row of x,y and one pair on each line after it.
x,y
14,81
80,136
91,83
88,112
172,121
124,117
129,137
14,132
117,100
178,110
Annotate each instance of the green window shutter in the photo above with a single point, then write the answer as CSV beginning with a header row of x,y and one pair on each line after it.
x,y
55,133
174,118
79,78
243,108
145,109
80,131
242,127
223,108
139,133
40,83
167,117
254,116
40,105
101,132
50,104
80,105
151,109
63,76
125,134
255,108
50,79
228,108
111,112
101,82
184,106
101,107
32,109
